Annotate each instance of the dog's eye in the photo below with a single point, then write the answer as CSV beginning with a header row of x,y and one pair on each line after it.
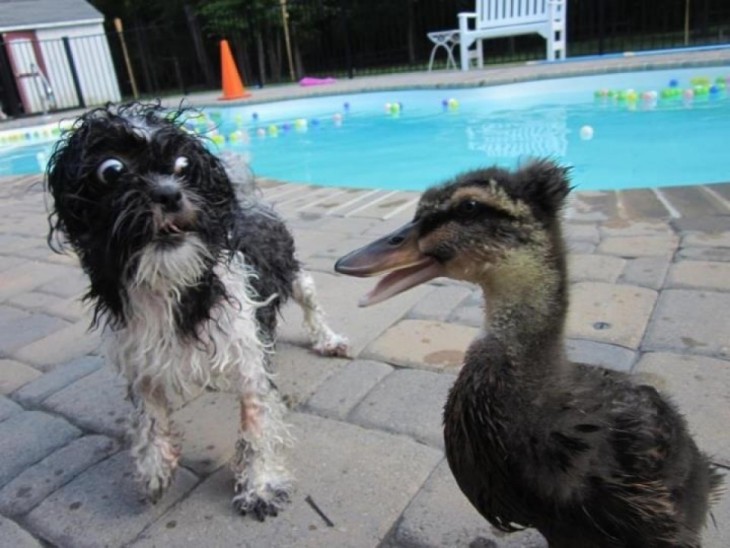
x,y
110,170
181,163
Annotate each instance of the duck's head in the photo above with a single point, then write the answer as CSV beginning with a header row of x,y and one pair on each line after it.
x,y
470,228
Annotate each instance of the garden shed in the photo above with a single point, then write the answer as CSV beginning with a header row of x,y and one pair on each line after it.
x,y
54,54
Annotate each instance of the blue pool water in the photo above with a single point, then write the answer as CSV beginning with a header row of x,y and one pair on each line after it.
x,y
350,140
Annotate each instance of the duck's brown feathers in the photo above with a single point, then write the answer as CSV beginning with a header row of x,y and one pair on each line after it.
x,y
590,460
583,454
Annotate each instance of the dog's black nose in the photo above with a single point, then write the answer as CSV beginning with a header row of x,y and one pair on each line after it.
x,y
169,196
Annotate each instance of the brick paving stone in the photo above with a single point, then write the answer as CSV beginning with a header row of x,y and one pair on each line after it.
x,y
96,402
298,372
641,204
440,515
601,354
69,286
708,224
609,313
692,201
620,228
700,274
102,507
712,239
341,392
342,247
6,262
33,393
387,226
638,246
723,189
690,321
209,429
28,275
19,328
65,259
289,204
26,438
345,200
592,206
699,386
339,296
426,344
439,303
63,345
14,374
581,232
13,535
41,253
13,242
646,272
599,268
313,242
381,209
34,484
8,408
469,313
360,479
704,254
350,226
318,264
584,248
407,401
70,309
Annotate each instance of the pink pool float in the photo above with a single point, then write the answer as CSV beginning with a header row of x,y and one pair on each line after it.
x,y
310,81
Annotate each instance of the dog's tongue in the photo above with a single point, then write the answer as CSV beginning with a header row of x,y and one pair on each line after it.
x,y
170,227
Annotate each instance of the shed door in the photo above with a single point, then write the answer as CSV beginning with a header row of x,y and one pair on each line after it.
x,y
28,67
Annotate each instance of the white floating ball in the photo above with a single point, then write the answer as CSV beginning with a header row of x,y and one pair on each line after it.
x,y
586,133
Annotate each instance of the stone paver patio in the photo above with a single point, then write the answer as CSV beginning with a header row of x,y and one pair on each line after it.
x,y
651,295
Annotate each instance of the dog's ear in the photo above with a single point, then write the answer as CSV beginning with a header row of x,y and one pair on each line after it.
x,y
62,181
58,171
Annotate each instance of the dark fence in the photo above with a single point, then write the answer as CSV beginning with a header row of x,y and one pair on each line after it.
x,y
342,38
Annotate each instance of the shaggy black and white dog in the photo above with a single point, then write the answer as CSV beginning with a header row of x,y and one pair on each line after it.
x,y
186,279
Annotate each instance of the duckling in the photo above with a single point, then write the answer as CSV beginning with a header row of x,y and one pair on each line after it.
x,y
583,454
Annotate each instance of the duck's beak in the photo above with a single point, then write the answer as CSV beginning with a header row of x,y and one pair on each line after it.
x,y
396,255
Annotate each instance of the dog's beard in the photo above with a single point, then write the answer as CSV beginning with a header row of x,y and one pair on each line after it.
x,y
162,266
164,251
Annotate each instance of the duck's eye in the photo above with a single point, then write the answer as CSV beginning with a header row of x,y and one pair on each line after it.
x,y
468,207
110,170
181,164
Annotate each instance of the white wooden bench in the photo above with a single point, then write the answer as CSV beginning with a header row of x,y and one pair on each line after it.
x,y
498,18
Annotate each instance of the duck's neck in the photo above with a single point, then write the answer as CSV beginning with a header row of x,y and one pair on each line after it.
x,y
526,304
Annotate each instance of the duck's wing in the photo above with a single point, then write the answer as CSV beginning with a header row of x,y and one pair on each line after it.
x,y
618,456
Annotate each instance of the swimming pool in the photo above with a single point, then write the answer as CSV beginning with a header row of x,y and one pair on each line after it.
x,y
424,136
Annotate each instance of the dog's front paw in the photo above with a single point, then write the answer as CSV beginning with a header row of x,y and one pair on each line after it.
x,y
156,486
156,464
260,503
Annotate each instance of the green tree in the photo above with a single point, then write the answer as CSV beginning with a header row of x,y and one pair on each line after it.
x,y
237,19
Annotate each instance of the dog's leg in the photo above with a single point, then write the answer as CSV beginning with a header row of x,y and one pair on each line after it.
x,y
324,340
152,442
263,483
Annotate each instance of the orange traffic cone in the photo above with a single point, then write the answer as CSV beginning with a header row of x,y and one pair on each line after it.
x,y
232,84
